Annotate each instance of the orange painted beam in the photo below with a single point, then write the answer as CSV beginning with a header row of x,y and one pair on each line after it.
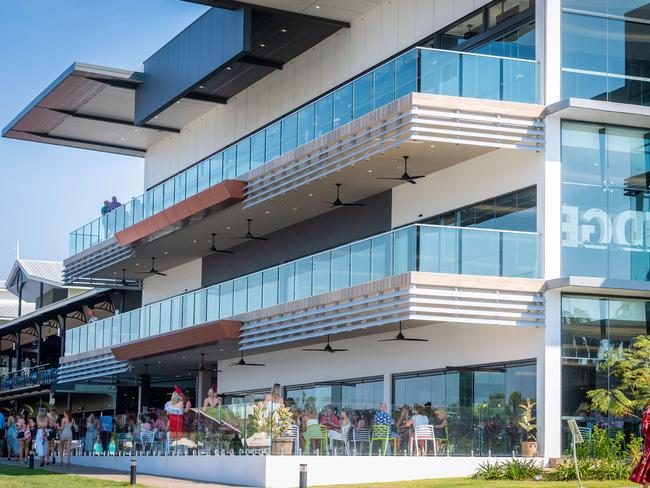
x,y
216,197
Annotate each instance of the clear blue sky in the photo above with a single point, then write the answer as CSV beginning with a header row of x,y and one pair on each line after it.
x,y
46,191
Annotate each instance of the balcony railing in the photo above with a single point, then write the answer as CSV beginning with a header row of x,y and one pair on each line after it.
x,y
25,378
428,248
418,70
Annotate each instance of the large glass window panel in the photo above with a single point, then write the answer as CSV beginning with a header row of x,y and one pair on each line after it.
x,y
191,181
258,148
226,303
382,257
108,331
321,273
165,316
480,252
203,175
230,163
138,209
216,169
286,284
519,81
240,296
343,105
440,73
481,77
584,42
148,211
360,262
289,132
520,255
362,97
200,306
324,115
303,278
168,193
154,319
270,287
254,292
83,338
463,31
404,250
243,156
179,188
177,313
306,124
213,304
406,73
273,143
117,329
188,310
90,343
384,89
341,268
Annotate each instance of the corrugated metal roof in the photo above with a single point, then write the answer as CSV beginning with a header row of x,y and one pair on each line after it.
x,y
9,308
39,269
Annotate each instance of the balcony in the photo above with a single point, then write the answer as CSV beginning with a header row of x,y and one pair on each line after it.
x,y
28,378
421,70
424,248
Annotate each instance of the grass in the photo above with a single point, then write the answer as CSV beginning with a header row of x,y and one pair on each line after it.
x,y
20,477
468,483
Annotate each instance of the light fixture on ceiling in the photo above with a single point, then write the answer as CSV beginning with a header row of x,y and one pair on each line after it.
x,y
262,45
228,68
177,102
369,171
283,30
194,241
201,87
267,212
317,6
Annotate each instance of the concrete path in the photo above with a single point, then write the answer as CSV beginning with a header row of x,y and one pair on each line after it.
x,y
112,475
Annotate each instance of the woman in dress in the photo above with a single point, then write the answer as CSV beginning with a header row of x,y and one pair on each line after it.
x,y
23,435
41,435
52,427
67,423
91,434
175,410
12,439
641,473
212,400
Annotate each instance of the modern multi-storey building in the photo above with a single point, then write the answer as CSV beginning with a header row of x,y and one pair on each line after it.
x,y
334,174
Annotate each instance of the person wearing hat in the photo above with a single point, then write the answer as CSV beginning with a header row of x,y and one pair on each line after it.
x,y
212,400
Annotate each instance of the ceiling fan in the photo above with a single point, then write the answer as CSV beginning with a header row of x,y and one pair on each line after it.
x,y
400,337
153,269
339,203
214,249
124,282
327,348
249,234
406,176
241,362
201,368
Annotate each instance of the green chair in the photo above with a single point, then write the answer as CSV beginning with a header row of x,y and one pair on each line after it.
x,y
381,433
443,442
316,432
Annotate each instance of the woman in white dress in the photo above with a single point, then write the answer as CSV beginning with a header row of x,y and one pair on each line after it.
x,y
67,423
91,434
42,425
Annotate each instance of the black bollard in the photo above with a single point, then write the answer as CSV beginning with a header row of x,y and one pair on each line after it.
x,y
134,465
31,460
303,476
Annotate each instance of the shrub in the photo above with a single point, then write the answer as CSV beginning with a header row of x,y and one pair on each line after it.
x,y
592,469
512,469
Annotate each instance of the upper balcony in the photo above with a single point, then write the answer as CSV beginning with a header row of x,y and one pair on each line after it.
x,y
443,250
423,70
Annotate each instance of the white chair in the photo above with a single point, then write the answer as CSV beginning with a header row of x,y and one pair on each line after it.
x,y
294,433
359,436
424,433
146,439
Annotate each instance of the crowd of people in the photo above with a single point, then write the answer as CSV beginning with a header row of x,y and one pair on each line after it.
x,y
22,433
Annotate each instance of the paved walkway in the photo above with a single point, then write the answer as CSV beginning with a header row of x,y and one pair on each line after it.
x,y
109,474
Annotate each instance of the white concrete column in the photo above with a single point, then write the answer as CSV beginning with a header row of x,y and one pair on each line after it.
x,y
548,14
388,390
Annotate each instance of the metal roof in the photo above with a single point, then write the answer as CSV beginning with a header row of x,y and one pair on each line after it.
x,y
34,272
9,309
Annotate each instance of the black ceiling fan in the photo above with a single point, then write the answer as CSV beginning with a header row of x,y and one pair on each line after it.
x,y
327,348
153,269
400,337
249,234
124,282
201,368
214,249
339,203
241,362
406,176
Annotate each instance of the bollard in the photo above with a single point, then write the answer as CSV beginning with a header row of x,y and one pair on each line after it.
x,y
134,465
31,460
303,476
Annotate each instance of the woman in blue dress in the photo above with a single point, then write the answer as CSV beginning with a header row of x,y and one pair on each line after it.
x,y
12,439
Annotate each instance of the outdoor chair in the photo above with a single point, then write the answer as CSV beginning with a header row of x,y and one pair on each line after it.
x,y
381,433
426,434
146,440
342,436
359,436
316,432
442,442
586,433
294,433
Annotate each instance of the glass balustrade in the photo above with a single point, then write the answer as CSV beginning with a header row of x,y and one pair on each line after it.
x,y
428,248
418,70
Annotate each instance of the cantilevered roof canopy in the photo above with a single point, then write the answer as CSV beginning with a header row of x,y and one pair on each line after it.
x,y
126,112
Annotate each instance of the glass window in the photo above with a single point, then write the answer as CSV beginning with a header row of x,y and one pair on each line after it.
x,y
243,156
440,73
404,250
324,115
342,106
362,95
179,188
168,191
382,257
203,175
505,9
157,199
321,273
384,85
191,181
230,163
270,287
303,278
254,292
177,312
360,262
286,284
200,304
226,303
341,268
188,310
289,132
465,30
240,296
166,316
273,141
258,146
406,73
306,125
213,304
216,169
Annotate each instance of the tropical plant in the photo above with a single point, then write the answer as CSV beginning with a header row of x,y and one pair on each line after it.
x,y
282,421
511,469
487,471
592,469
527,422
630,369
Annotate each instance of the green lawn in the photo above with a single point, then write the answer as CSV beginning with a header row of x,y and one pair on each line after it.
x,y
20,477
468,483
